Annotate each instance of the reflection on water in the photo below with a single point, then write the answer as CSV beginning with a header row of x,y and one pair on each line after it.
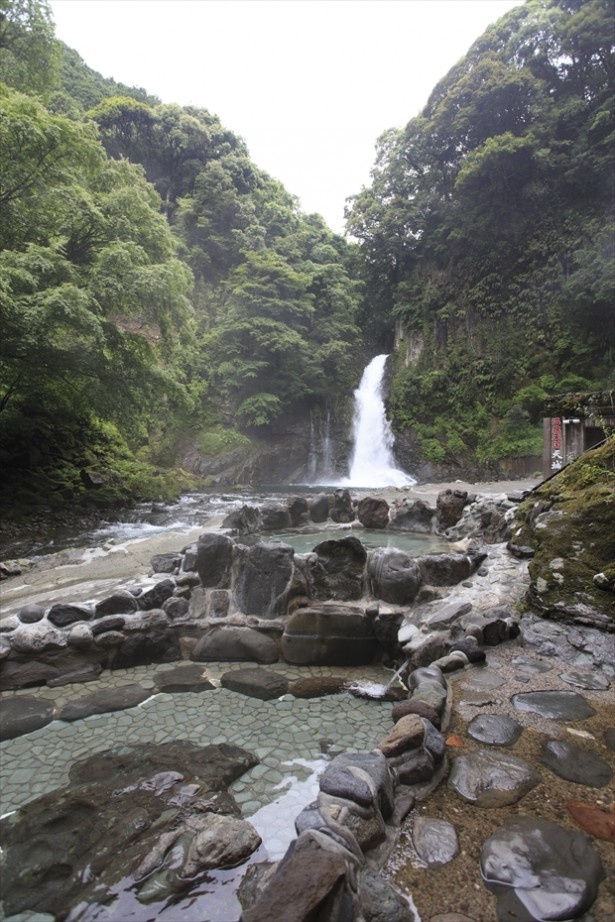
x,y
412,544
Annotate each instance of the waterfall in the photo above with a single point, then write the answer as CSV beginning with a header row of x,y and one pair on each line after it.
x,y
321,460
327,448
372,463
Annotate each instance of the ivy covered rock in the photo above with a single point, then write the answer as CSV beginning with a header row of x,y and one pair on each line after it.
x,y
569,522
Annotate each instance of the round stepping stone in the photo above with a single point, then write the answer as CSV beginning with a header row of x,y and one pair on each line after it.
x,y
568,761
495,729
609,738
492,779
539,870
599,823
593,681
556,705
435,841
23,714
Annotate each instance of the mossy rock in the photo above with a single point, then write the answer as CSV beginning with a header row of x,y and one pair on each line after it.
x,y
569,521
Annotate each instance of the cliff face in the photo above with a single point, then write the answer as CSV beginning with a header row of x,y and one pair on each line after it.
x,y
569,522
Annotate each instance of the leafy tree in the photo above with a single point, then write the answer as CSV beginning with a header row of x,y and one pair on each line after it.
x,y
29,58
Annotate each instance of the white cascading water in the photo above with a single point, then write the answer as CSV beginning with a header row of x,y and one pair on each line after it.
x,y
372,463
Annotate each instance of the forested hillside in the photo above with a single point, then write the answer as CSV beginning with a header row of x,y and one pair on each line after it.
x,y
487,235
159,290
164,300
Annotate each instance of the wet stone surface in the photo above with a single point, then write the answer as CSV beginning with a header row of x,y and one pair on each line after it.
x,y
590,680
492,779
495,729
570,762
435,841
556,705
540,870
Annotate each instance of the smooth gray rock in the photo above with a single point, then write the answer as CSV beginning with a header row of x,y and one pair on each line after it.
x,y
23,714
62,615
592,681
539,870
235,643
376,766
574,764
31,613
255,683
339,780
435,841
120,603
556,705
495,729
394,576
492,779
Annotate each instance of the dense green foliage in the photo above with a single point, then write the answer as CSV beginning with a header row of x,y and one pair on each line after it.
x,y
153,281
158,288
487,233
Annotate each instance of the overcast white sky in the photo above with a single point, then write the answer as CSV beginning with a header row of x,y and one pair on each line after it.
x,y
309,84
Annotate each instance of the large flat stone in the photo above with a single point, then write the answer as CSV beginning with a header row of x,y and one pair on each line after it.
x,y
23,714
255,683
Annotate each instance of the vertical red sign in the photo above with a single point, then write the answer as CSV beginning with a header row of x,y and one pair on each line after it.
x,y
556,444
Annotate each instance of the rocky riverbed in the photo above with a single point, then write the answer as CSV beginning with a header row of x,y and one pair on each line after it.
x,y
527,738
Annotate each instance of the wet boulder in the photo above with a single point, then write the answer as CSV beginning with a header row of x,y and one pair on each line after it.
x,y
449,507
373,512
121,602
540,870
244,521
299,511
214,558
341,509
448,569
262,579
275,517
157,595
319,508
336,569
235,643
393,575
329,635
413,515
